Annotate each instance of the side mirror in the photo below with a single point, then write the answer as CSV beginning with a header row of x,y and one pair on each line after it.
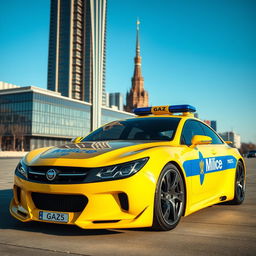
x,y
76,139
228,142
200,140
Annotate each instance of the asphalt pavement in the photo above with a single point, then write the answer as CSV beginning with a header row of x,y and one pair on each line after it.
x,y
217,230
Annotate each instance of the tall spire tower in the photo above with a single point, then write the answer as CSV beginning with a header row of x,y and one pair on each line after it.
x,y
137,97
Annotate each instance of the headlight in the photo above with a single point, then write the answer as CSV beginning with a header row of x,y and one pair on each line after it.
x,y
21,169
121,170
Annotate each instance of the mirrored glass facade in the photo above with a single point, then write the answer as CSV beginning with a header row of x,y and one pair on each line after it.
x,y
36,119
109,115
59,117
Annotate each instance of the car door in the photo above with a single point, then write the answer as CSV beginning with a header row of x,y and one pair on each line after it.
x,y
198,159
218,165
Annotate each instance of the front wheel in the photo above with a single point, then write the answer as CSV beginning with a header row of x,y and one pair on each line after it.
x,y
169,199
239,185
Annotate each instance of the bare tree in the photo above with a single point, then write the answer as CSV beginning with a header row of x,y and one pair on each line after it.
x,y
2,130
17,131
246,147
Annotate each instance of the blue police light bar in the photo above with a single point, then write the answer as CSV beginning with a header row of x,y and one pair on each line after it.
x,y
142,111
161,110
182,108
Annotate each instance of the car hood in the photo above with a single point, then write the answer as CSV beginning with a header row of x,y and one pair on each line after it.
x,y
93,154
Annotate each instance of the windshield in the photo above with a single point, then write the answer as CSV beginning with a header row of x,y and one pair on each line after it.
x,y
148,128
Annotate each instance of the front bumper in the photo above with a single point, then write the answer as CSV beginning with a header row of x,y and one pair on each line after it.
x,y
104,208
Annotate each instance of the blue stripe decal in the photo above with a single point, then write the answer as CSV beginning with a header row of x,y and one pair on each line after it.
x,y
202,166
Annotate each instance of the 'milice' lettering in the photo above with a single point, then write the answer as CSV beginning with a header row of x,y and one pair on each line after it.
x,y
212,164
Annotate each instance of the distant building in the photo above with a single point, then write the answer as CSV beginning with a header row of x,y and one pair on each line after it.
x,y
31,117
77,52
233,137
116,99
107,99
212,123
137,97
4,85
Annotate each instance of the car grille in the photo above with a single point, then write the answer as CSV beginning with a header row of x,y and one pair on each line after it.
x,y
59,203
65,175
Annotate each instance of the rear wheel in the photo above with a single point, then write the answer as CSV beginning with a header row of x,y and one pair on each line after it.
x,y
239,184
169,199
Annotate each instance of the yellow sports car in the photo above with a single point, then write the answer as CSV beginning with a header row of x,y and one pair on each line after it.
x,y
146,171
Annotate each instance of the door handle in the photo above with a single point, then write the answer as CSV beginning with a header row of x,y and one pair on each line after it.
x,y
214,152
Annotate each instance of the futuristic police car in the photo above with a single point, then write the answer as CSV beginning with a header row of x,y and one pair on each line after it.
x,y
145,171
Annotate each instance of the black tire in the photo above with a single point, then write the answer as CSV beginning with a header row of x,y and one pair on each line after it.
x,y
169,199
239,185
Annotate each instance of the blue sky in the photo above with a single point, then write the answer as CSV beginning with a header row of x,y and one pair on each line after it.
x,y
197,52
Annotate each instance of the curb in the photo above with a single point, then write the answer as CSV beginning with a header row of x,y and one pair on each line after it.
x,y
12,154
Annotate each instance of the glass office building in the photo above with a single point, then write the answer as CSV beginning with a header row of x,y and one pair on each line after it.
x,y
70,59
116,100
32,117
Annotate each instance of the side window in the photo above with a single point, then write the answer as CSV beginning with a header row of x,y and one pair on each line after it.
x,y
190,129
212,134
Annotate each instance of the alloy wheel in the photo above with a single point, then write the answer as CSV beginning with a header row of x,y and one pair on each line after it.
x,y
240,182
172,196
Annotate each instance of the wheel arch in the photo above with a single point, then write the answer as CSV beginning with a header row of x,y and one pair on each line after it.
x,y
242,161
237,200
184,180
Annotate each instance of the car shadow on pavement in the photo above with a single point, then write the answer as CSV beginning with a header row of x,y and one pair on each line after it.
x,y
8,222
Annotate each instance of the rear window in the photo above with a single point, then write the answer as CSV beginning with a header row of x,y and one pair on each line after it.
x,y
148,128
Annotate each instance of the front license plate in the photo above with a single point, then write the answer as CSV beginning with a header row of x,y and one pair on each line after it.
x,y
53,216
